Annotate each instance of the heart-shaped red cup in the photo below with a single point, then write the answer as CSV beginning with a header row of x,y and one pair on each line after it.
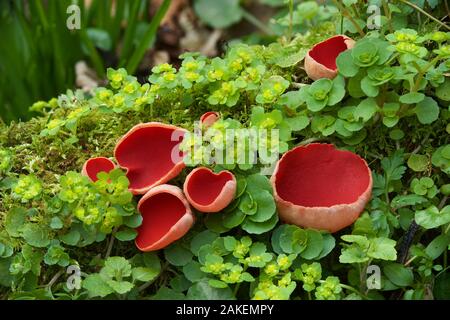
x,y
209,192
94,166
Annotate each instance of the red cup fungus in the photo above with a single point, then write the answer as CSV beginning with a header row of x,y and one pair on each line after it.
x,y
208,119
320,61
94,166
166,217
318,186
150,154
207,191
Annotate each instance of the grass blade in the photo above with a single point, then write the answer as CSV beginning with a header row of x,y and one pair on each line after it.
x,y
130,31
148,38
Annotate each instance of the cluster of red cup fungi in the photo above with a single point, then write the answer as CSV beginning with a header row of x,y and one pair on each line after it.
x,y
315,186
150,155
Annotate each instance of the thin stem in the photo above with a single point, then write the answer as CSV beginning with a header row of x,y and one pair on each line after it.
x,y
388,15
447,229
447,8
253,20
349,17
425,139
146,285
442,204
148,38
422,73
410,260
54,279
291,18
344,286
426,14
111,243
356,10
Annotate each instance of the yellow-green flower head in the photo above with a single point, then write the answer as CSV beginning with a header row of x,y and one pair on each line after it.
x,y
405,47
104,95
131,87
268,95
271,269
169,76
154,88
237,65
28,187
443,51
77,113
55,123
118,100
165,67
192,76
191,65
240,250
5,160
283,261
244,55
405,37
215,74
285,280
440,36
216,268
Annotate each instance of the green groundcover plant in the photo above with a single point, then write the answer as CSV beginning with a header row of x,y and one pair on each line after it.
x,y
65,237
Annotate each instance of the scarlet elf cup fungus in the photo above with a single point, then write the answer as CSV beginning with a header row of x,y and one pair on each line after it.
x,y
94,166
208,118
207,191
150,153
166,217
320,61
318,186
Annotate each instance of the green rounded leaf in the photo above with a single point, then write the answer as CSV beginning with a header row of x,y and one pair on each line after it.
x,y
218,13
178,255
436,247
398,274
126,234
314,246
192,271
260,227
14,221
266,207
427,111
202,238
412,97
204,291
418,162
36,235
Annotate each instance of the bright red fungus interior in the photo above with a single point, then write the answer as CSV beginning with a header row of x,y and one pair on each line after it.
x,y
147,154
204,186
160,213
95,166
321,176
327,52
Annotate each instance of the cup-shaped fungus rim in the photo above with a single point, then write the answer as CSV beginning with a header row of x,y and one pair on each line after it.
x,y
92,167
318,186
207,191
166,215
150,154
320,61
